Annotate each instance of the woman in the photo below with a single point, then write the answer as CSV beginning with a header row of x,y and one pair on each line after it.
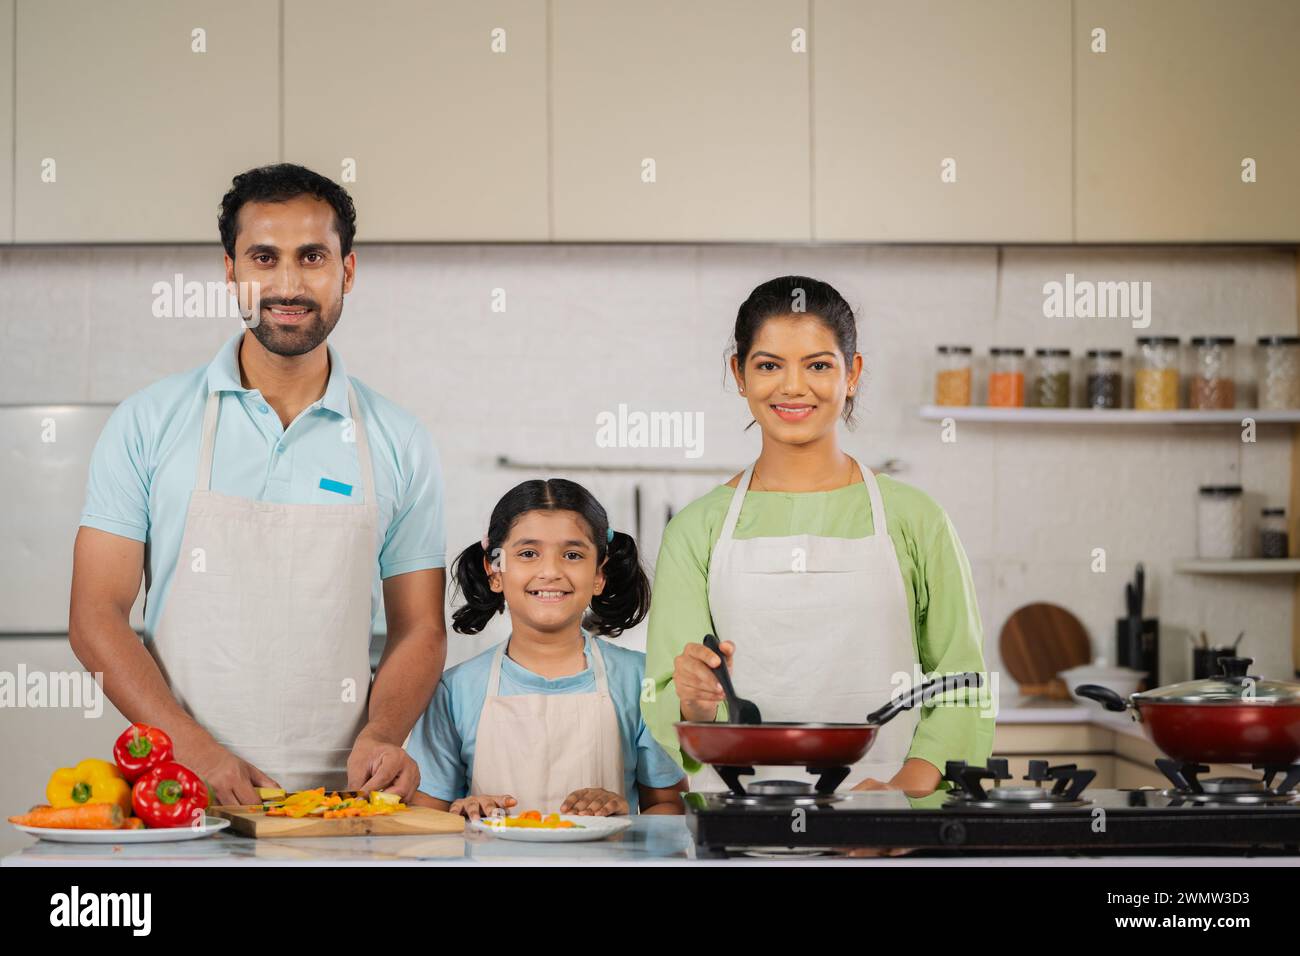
x,y
828,586
549,720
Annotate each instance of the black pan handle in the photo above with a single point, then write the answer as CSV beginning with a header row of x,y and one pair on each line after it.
x,y
1104,696
939,685
724,678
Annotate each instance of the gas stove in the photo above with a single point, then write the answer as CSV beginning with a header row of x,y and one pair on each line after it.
x,y
982,811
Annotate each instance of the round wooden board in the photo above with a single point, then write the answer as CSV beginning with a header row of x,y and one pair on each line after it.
x,y
1040,640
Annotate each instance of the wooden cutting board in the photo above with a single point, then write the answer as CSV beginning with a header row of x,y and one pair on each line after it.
x,y
416,820
1038,641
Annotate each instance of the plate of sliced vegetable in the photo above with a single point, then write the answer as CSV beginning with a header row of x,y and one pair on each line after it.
x,y
533,826
97,823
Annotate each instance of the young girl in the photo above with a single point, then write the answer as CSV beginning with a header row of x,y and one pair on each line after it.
x,y
551,719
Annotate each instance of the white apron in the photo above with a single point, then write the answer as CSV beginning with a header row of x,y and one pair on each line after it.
x,y
265,638
539,748
822,627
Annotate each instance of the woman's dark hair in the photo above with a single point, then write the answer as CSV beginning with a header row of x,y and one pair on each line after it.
x,y
623,603
796,295
280,183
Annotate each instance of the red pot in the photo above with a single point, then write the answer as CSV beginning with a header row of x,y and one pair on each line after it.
x,y
1234,718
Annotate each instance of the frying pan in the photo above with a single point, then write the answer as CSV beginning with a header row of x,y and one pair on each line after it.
x,y
802,745
1234,718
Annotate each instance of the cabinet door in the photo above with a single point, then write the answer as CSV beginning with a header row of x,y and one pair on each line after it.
x,y
1187,91
714,95
941,120
433,116
134,116
6,120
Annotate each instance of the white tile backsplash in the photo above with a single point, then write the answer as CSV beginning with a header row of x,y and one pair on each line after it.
x,y
587,327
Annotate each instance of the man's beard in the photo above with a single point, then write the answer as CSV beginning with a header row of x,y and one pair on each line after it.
x,y
298,339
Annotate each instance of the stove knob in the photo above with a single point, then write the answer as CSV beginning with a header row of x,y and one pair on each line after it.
x,y
952,833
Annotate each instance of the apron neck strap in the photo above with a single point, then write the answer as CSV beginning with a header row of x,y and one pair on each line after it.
x,y
878,523
212,413
737,499
364,463
597,666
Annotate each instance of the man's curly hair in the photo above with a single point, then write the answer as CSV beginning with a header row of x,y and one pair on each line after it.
x,y
280,183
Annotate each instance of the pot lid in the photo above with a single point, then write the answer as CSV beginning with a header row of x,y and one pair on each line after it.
x,y
1234,685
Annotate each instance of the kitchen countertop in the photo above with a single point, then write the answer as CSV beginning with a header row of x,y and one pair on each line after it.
x,y
653,840
1039,710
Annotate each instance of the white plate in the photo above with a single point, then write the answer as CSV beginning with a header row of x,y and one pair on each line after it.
x,y
588,828
210,826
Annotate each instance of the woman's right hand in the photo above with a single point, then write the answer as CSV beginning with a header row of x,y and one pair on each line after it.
x,y
698,690
481,805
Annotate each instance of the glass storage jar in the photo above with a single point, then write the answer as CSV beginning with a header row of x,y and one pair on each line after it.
x,y
1051,384
1272,533
1220,522
1213,381
952,379
1279,371
1155,383
1007,378
1104,378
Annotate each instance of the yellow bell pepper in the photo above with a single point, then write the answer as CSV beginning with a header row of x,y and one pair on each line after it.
x,y
91,781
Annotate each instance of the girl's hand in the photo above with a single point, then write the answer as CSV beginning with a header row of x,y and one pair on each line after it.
x,y
481,805
595,802
871,783
698,691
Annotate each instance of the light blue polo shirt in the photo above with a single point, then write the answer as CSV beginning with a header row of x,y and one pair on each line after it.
x,y
144,465
443,741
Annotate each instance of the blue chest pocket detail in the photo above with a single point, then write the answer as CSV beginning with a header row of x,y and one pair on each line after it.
x,y
329,484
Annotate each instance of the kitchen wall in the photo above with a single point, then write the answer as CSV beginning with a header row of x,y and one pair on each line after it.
x,y
587,328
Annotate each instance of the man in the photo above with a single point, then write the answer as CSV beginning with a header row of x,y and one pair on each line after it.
x,y
263,496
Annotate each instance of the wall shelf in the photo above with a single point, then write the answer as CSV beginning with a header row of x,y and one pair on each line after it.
x,y
1238,566
1117,416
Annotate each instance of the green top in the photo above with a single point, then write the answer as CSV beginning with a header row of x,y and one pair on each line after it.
x,y
946,630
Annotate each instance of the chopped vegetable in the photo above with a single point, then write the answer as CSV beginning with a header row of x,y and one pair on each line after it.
x,y
316,803
533,819
89,782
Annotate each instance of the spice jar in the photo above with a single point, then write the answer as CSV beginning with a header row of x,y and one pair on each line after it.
x,y
952,380
1212,384
1007,378
1155,383
1051,383
1279,371
1220,522
1272,533
1104,378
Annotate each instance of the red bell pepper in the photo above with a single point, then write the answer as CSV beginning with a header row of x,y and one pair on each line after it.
x,y
169,795
140,749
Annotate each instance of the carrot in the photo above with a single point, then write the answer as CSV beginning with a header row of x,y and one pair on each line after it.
x,y
90,816
133,823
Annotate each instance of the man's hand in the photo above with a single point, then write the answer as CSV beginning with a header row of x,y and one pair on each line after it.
x,y
382,765
230,779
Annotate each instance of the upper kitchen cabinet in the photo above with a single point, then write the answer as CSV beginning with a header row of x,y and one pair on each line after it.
x,y
432,115
679,120
133,116
6,120
1189,101
941,120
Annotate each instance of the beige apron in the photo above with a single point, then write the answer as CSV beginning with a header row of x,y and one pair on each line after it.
x,y
539,748
265,636
822,627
